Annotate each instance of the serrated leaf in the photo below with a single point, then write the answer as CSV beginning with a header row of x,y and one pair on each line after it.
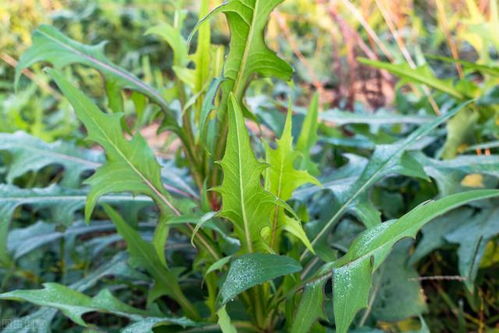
x,y
249,53
244,201
131,165
29,153
74,304
50,45
252,269
62,203
43,317
352,273
282,179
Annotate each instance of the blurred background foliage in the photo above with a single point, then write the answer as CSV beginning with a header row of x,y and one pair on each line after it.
x,y
323,39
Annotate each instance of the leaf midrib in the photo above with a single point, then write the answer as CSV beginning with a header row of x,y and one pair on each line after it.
x,y
241,185
247,47
59,155
128,162
110,68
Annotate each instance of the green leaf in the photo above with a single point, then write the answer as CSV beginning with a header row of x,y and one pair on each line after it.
x,y
217,265
25,240
399,295
295,228
253,269
148,324
470,230
74,304
62,204
282,179
249,54
44,316
207,107
224,321
308,136
29,153
379,118
174,38
145,255
434,232
422,75
386,159
202,57
310,308
244,201
459,130
352,273
472,238
448,174
115,98
131,165
50,45
486,69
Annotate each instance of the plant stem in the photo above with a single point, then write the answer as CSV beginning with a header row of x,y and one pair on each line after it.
x,y
187,306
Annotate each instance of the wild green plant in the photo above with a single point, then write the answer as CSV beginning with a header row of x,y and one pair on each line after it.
x,y
260,267
463,130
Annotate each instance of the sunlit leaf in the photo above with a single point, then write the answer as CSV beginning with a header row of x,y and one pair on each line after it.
x,y
249,53
282,179
50,45
244,201
131,165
